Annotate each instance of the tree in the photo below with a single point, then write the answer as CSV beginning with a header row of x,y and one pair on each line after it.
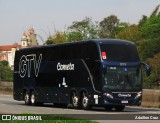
x,y
149,47
150,38
6,74
74,36
4,63
155,65
59,37
151,28
0,55
131,32
108,27
82,30
142,21
155,12
150,35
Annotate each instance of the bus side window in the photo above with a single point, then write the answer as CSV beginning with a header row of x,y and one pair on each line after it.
x,y
67,52
56,54
77,51
70,52
90,51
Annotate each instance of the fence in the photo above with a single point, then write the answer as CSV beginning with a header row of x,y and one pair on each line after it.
x,y
151,86
151,98
6,87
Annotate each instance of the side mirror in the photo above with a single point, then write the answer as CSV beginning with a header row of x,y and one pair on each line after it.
x,y
147,67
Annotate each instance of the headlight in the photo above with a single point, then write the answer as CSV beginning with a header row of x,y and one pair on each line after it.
x,y
139,94
108,95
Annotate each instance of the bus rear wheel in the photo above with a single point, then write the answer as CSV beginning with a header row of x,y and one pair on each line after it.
x,y
119,107
75,103
27,98
33,98
85,102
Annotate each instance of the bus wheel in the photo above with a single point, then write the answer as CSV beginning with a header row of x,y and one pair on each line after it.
x,y
119,107
33,98
85,102
27,98
108,108
74,100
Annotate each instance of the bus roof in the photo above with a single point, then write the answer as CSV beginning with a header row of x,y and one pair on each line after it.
x,y
97,41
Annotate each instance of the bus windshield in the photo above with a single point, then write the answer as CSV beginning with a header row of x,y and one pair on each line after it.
x,y
122,79
119,52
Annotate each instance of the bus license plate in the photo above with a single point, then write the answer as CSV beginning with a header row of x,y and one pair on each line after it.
x,y
124,101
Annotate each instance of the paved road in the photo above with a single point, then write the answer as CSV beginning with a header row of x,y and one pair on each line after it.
x,y
10,106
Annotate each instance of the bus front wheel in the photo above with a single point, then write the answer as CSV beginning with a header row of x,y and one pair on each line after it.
x,y
119,107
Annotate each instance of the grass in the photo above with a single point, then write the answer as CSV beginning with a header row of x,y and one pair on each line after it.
x,y
49,119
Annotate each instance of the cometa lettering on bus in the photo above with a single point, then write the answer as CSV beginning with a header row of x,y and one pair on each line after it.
x,y
69,66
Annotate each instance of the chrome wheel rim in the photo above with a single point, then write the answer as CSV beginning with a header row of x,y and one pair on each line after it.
x,y
27,98
32,99
74,100
85,101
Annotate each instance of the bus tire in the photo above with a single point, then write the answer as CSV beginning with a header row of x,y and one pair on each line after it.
x,y
27,98
108,107
74,100
60,105
33,98
85,102
39,103
119,107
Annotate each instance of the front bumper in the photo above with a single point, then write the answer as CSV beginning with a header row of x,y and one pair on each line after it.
x,y
122,98
128,102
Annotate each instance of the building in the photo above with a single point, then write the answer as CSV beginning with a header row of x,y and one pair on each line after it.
x,y
29,39
7,52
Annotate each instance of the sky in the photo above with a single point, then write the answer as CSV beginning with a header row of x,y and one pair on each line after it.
x,y
17,16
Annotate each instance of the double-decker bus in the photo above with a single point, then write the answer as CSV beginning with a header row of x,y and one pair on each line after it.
x,y
98,72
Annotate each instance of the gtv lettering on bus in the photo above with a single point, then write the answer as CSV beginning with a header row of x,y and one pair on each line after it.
x,y
65,66
25,64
